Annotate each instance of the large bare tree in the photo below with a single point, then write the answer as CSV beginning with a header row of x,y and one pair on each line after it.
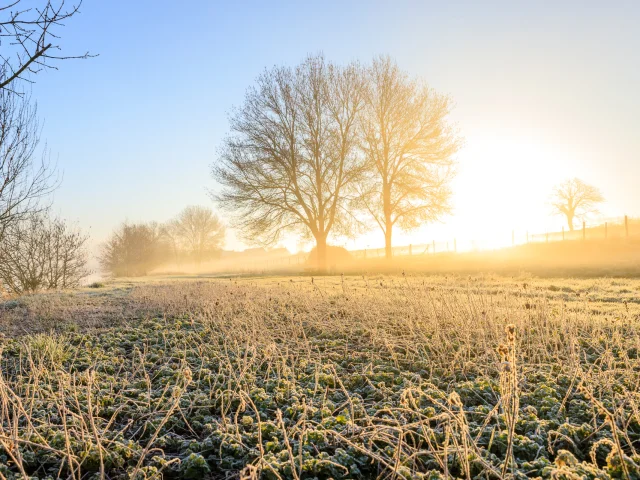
x,y
409,145
291,161
199,231
29,36
574,198
25,180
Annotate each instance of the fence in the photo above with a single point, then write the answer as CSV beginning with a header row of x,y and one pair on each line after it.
x,y
609,229
406,250
623,227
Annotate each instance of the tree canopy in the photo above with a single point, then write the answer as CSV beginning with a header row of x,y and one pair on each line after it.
x,y
291,160
409,146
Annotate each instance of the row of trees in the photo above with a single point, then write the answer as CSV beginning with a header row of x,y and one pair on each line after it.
x,y
196,235
323,149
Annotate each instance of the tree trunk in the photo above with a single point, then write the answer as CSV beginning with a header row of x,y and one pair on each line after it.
x,y
388,253
388,224
570,222
321,253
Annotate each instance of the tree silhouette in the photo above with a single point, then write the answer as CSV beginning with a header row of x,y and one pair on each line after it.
x,y
133,250
39,252
199,231
29,34
24,180
290,161
574,198
409,147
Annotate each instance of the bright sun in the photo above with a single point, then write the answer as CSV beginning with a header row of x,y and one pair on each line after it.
x,y
500,195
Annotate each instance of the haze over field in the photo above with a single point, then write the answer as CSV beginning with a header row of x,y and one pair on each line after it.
x,y
319,240
541,91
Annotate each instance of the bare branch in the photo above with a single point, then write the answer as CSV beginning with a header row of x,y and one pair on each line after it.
x,y
29,36
39,253
24,181
410,148
291,160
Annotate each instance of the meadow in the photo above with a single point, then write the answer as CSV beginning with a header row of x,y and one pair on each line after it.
x,y
404,376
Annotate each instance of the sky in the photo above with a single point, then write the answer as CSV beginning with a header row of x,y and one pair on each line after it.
x,y
542,90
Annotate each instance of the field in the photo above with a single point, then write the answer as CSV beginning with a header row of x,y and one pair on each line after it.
x,y
300,377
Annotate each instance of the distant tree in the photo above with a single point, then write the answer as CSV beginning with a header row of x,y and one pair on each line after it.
x,y
574,198
200,232
29,32
291,159
133,250
39,253
24,180
170,232
409,146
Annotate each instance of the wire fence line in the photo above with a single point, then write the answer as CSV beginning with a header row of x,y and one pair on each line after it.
x,y
611,228
605,229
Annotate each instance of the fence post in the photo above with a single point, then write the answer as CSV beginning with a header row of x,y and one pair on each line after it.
x,y
584,230
626,226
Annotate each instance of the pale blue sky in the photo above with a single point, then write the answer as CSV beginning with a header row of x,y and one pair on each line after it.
x,y
542,91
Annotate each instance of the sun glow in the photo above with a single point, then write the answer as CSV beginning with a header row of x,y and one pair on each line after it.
x,y
500,197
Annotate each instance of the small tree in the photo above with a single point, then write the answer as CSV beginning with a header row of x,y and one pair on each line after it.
x,y
291,161
133,250
199,231
29,34
409,146
575,199
24,180
38,253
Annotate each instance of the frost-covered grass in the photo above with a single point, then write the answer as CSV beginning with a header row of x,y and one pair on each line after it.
x,y
390,377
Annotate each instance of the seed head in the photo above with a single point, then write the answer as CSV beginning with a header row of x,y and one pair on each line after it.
x,y
454,399
176,393
511,332
503,351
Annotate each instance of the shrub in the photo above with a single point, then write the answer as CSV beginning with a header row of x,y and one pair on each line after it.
x,y
41,253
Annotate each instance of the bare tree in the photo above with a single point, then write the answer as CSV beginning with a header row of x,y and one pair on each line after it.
x,y
290,161
409,146
29,36
200,232
170,231
38,253
574,198
133,250
24,180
